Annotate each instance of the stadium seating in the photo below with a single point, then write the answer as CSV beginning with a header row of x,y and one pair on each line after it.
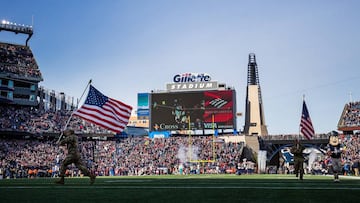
x,y
137,155
18,60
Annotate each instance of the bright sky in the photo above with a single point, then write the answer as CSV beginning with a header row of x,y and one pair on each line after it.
x,y
127,47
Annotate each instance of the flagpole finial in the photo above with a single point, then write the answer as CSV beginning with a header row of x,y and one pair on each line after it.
x,y
90,81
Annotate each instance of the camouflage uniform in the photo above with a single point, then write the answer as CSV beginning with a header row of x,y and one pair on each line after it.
x,y
73,156
297,150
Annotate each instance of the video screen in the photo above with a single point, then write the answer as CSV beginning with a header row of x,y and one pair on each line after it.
x,y
204,109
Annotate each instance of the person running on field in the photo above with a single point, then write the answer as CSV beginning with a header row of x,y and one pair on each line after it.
x,y
297,150
73,156
334,150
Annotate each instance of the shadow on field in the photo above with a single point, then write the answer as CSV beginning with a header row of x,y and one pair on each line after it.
x,y
194,188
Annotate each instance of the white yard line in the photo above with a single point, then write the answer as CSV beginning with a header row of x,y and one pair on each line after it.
x,y
340,187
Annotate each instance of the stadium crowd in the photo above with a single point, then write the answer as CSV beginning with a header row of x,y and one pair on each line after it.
x,y
352,115
132,155
35,121
144,156
18,60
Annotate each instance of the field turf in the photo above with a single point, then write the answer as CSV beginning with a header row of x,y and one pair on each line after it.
x,y
191,188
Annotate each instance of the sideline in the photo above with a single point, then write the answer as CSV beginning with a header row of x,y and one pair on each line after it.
x,y
339,187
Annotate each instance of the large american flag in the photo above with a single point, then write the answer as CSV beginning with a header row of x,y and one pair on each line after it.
x,y
306,127
104,111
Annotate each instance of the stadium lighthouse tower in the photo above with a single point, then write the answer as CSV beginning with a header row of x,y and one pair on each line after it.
x,y
254,112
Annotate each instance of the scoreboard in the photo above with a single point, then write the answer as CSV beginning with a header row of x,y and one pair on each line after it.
x,y
197,110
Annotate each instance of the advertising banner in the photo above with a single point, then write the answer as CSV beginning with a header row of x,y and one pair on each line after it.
x,y
143,105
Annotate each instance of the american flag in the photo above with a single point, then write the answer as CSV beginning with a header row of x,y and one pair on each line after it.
x,y
104,111
306,127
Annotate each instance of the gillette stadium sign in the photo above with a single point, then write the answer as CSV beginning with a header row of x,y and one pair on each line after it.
x,y
191,81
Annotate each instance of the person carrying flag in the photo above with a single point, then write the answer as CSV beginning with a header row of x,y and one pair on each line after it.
x,y
100,110
73,156
297,150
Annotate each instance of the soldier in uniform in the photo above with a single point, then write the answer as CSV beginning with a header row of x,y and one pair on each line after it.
x,y
73,156
297,150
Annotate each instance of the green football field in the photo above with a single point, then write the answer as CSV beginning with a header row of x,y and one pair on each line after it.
x,y
191,188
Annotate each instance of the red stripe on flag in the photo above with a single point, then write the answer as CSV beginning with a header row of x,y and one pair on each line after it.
x,y
306,127
105,112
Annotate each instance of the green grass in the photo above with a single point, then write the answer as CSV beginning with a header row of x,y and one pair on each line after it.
x,y
192,188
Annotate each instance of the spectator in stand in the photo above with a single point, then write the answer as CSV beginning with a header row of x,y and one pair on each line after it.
x,y
355,166
316,168
347,168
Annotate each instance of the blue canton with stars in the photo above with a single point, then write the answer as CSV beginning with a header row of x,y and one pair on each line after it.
x,y
95,97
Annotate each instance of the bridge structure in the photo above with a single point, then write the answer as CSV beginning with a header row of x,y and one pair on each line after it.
x,y
274,144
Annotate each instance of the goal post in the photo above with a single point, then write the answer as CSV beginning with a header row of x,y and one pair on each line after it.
x,y
191,160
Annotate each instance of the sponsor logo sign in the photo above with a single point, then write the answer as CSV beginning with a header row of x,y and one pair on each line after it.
x,y
191,81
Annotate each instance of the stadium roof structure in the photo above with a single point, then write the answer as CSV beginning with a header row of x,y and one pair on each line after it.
x,y
348,128
17,28
351,111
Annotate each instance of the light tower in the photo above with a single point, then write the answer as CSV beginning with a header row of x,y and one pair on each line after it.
x,y
254,112
17,28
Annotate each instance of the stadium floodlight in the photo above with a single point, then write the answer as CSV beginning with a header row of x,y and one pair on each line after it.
x,y
17,28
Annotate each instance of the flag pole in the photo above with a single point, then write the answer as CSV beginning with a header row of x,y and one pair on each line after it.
x,y
303,98
77,104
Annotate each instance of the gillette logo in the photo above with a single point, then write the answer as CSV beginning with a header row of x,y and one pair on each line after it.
x,y
192,77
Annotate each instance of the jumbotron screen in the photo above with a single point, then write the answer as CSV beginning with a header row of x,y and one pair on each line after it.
x,y
206,110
